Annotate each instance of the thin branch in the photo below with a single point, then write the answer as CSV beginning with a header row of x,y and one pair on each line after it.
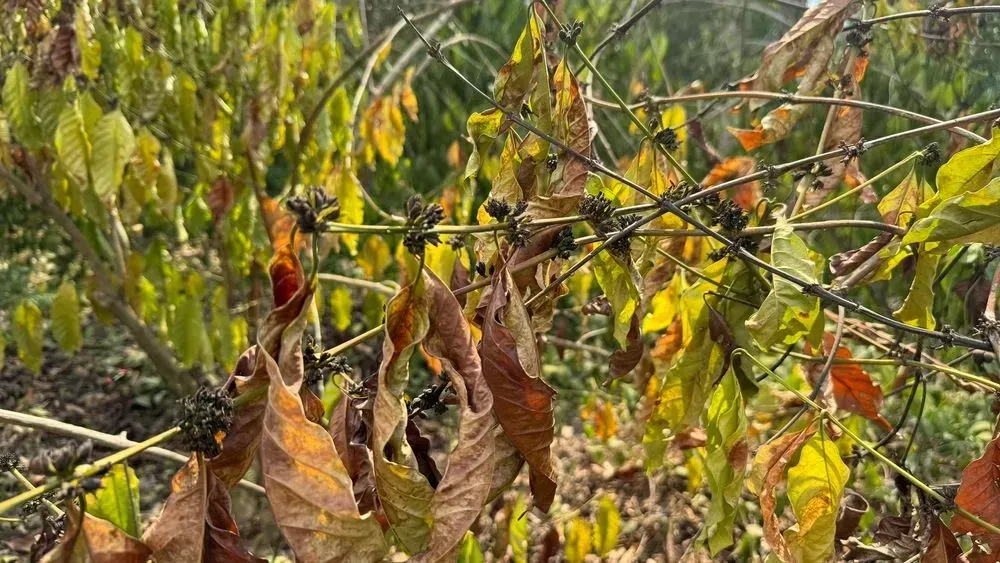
x,y
377,287
793,99
941,12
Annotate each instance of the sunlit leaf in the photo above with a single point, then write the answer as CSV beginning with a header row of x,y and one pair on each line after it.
x,y
766,471
853,388
72,145
619,285
918,307
979,493
18,105
578,540
517,531
968,217
969,170
815,487
469,551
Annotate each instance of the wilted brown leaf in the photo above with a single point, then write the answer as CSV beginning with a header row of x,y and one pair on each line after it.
x,y
307,485
196,524
89,539
279,223
622,362
465,486
522,401
766,472
280,335
403,491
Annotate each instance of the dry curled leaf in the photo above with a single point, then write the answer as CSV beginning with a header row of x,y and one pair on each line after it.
x,y
196,524
522,401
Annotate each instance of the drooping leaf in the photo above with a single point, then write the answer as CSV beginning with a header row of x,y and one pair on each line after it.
x,y
918,307
968,217
766,471
523,402
465,485
968,170
196,524
29,332
726,461
66,318
943,547
89,539
117,501
340,307
18,105
484,127
113,145
514,80
787,313
618,282
608,526
745,195
352,207
404,492
572,129
815,486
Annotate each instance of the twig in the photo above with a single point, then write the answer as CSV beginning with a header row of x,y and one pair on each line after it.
x,y
100,438
377,287
942,12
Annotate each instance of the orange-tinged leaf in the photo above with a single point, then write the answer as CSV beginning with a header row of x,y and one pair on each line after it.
x,y
853,388
89,539
745,195
279,223
766,472
523,402
286,275
307,485
196,524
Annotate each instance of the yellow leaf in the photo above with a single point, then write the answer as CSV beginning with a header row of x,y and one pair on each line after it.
x,y
66,318
28,334
340,308
578,540
815,487
609,523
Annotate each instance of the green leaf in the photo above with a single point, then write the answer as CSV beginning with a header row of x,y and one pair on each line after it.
x,y
166,185
917,309
66,318
28,334
726,426
517,531
114,144
787,313
578,540
965,218
609,524
117,501
620,286
969,169
815,487
72,145
18,103
468,551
